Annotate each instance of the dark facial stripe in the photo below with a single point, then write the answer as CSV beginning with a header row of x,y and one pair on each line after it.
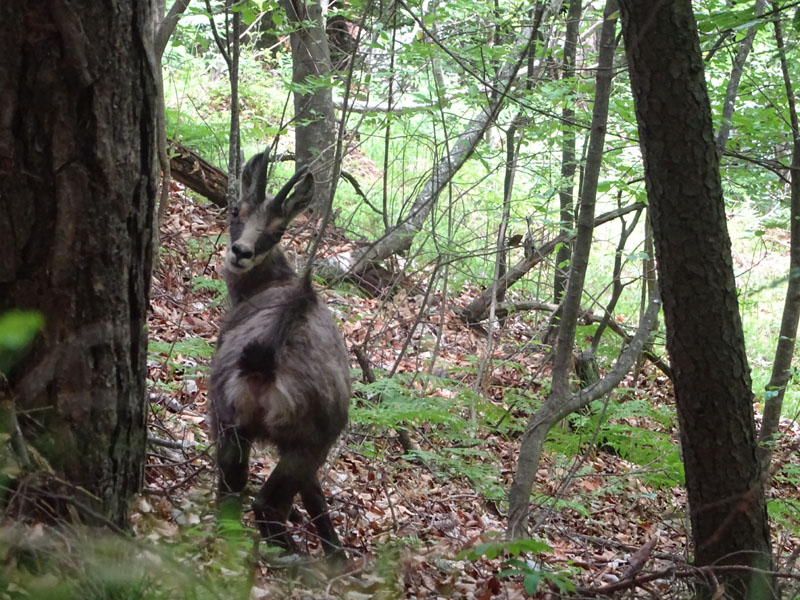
x,y
266,241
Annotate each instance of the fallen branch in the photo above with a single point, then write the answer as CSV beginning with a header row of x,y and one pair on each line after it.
x,y
196,173
476,310
506,308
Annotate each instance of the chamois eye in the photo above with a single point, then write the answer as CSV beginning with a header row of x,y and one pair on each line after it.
x,y
235,212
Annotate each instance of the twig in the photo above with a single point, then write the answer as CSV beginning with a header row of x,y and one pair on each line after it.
x,y
174,444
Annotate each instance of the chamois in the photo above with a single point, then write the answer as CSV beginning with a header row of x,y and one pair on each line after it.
x,y
281,372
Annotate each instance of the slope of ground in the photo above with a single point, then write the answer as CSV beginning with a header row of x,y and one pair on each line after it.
x,y
606,510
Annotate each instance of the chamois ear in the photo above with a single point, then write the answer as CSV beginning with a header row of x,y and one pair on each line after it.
x,y
300,198
254,179
294,197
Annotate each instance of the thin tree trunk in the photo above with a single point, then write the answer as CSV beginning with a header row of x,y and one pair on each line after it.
x,y
704,330
733,82
234,135
554,411
499,267
617,286
229,49
167,26
162,31
541,422
568,163
315,131
782,365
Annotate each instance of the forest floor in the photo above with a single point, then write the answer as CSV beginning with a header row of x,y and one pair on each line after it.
x,y
404,521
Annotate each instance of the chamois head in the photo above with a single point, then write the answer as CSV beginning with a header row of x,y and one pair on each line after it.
x,y
258,220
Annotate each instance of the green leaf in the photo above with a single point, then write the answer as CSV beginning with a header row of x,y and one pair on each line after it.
x,y
531,582
728,19
18,328
514,547
517,547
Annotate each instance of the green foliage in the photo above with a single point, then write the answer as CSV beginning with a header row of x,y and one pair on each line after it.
x,y
637,443
17,330
192,347
216,286
77,566
740,17
531,573
784,512
394,403
203,137
185,356
492,550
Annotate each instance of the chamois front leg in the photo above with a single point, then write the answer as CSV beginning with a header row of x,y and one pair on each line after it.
x,y
233,462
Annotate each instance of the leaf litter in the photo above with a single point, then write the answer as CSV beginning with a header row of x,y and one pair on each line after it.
x,y
406,520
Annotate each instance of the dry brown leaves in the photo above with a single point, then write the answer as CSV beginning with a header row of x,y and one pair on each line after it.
x,y
402,523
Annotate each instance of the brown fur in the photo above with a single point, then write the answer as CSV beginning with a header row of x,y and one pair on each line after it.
x,y
281,372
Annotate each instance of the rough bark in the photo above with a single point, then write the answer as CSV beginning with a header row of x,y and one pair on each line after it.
x,y
315,132
541,422
704,330
782,365
77,187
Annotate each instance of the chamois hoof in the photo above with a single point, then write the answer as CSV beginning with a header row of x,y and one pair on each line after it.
x,y
337,561
276,556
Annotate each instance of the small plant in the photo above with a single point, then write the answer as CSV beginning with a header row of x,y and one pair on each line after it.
x,y
188,356
532,573
215,286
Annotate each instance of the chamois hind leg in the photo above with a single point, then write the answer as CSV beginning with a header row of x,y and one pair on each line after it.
x,y
233,461
274,501
317,507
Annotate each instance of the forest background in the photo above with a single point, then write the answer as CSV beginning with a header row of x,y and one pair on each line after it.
x,y
486,239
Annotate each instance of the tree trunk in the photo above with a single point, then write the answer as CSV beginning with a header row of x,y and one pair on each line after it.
x,y
315,133
163,26
784,353
732,89
568,163
701,311
199,175
77,187
541,422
